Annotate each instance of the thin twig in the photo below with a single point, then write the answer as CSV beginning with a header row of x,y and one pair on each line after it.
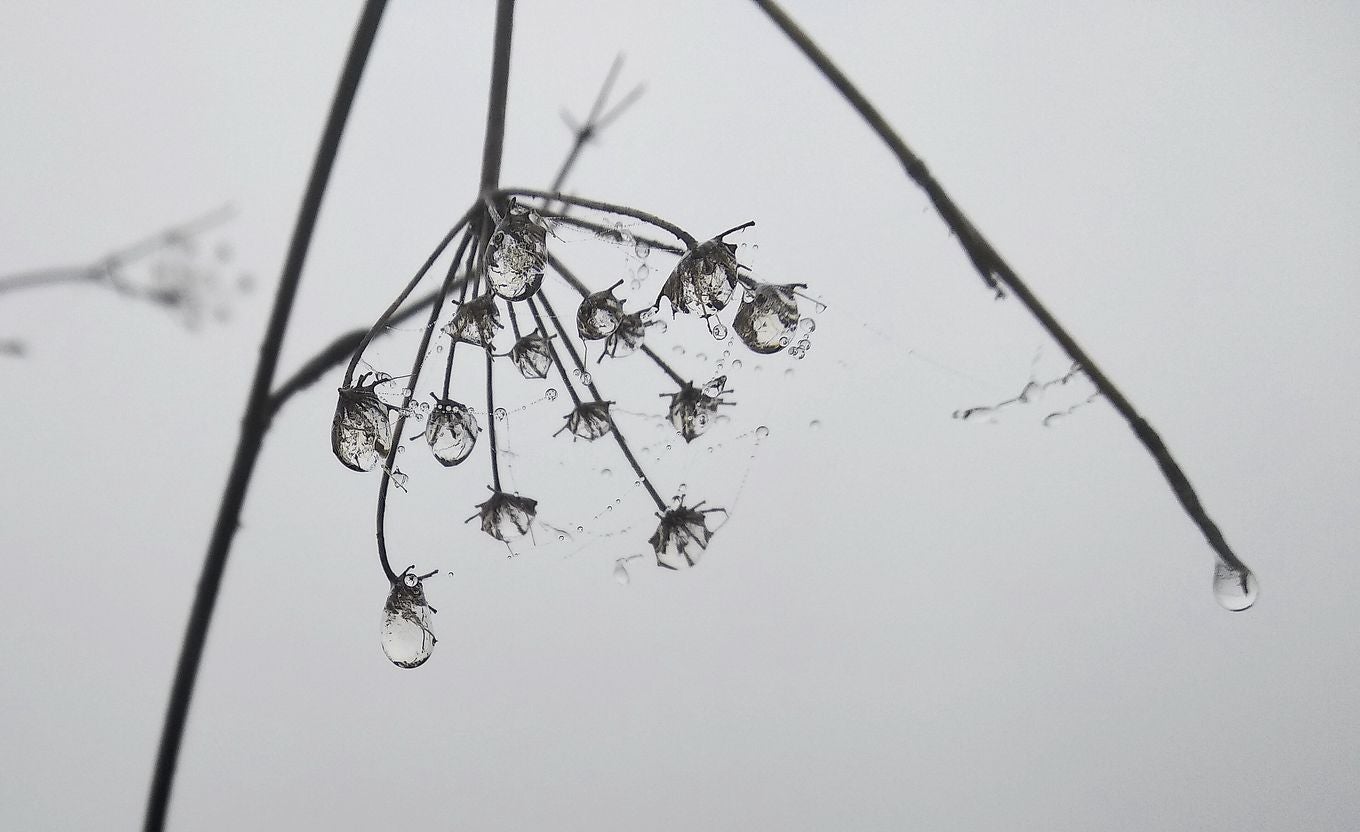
x,y
254,422
609,208
494,144
992,267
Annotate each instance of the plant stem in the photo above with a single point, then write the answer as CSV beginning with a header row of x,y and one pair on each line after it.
x,y
494,143
609,208
254,422
993,268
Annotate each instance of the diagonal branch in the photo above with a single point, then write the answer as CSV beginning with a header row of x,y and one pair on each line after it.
x,y
993,268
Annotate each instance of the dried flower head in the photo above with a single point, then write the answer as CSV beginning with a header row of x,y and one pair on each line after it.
x,y
361,434
704,279
627,337
599,314
517,253
767,317
476,321
692,409
451,431
531,355
682,536
506,515
589,420
406,635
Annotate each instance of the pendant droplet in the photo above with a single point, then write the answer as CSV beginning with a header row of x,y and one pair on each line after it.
x,y
1234,589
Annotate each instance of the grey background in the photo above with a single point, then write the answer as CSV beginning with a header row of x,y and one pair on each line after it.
x,y
909,621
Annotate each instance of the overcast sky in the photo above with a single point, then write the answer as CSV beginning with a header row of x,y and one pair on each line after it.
x,y
909,621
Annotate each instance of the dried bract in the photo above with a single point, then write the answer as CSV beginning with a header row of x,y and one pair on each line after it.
x,y
451,432
406,635
361,434
767,317
692,409
531,355
704,279
475,322
517,253
505,516
589,420
599,314
682,536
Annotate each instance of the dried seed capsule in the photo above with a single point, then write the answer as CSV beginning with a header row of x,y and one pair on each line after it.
x,y
682,536
589,420
506,515
407,639
692,409
531,355
627,337
451,432
517,253
599,314
361,434
767,317
476,322
704,279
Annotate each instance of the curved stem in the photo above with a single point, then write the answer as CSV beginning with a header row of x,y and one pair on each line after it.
x,y
993,268
609,208
254,423
557,360
462,296
387,314
602,229
491,422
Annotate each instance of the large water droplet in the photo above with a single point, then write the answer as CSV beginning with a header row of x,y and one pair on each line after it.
x,y
1234,590
406,636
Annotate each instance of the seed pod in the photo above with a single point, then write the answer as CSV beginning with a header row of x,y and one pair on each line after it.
x,y
682,536
407,639
476,322
531,355
767,318
451,432
692,409
506,515
627,337
599,314
361,434
589,420
704,279
517,253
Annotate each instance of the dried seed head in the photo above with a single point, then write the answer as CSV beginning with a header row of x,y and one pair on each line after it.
x,y
361,434
692,409
589,420
767,317
704,279
451,431
505,516
531,355
627,337
476,321
517,253
406,635
599,314
682,536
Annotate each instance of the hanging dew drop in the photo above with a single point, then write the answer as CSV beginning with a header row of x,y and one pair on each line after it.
x,y
1234,589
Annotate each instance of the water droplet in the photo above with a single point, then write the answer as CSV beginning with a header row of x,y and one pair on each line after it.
x,y
788,373
585,378
620,573
784,341
807,325
605,472
636,284
762,432
500,414
561,537
802,354
1234,590
804,345
550,394
438,348
643,272
717,329
609,507
401,448
580,528
678,349
642,249
736,363
702,356
637,483
815,424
